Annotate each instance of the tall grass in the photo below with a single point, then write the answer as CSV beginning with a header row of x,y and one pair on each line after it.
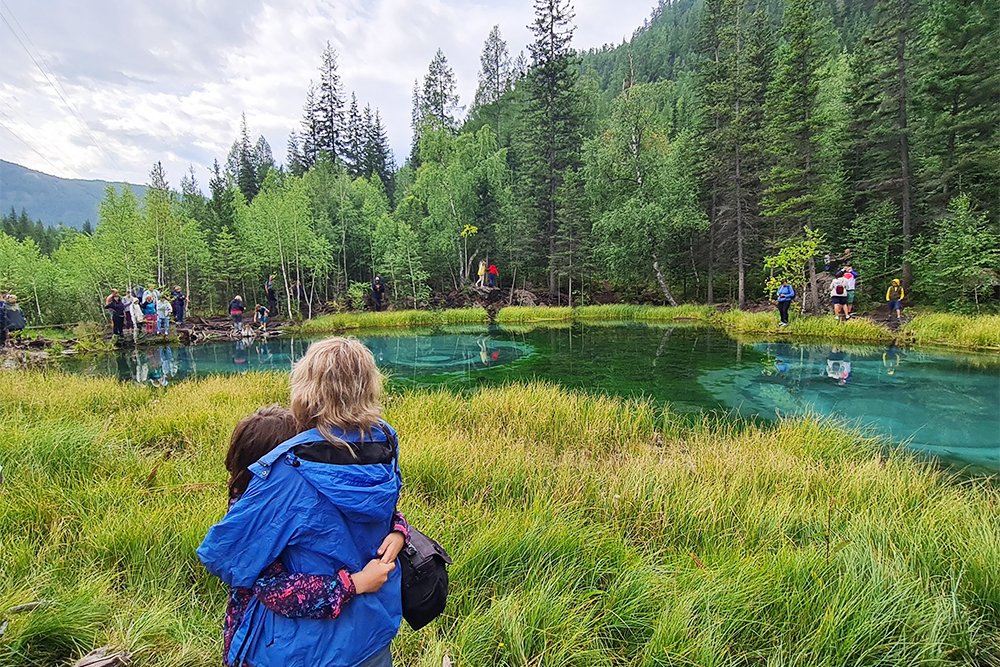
x,y
586,530
856,329
392,318
957,330
650,313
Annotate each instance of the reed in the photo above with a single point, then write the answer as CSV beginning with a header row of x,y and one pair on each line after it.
x,y
805,326
981,331
586,530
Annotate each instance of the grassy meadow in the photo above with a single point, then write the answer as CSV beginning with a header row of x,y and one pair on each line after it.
x,y
586,530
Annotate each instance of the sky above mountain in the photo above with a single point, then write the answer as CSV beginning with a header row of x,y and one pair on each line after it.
x,y
103,89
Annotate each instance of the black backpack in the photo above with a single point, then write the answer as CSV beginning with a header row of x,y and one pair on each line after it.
x,y
423,564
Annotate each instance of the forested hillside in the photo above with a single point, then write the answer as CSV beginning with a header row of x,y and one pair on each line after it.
x,y
50,199
728,145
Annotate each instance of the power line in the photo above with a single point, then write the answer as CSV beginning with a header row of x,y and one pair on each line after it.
x,y
30,147
56,87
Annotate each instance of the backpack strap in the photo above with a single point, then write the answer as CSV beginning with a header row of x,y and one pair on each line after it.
x,y
392,438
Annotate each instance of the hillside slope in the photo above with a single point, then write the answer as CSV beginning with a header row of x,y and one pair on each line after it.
x,y
51,199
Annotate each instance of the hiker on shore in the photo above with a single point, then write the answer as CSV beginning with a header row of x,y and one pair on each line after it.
x,y
134,313
272,295
3,318
378,292
894,296
118,309
260,316
838,295
852,282
236,309
149,311
15,316
163,311
180,304
111,296
494,275
481,282
785,295
826,261
308,507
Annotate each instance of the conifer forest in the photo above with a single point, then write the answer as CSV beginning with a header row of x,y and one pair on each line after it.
x,y
726,145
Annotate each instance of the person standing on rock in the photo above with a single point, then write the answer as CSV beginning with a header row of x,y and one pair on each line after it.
x,y
118,309
894,296
164,310
838,295
785,295
272,296
494,275
236,309
180,304
482,274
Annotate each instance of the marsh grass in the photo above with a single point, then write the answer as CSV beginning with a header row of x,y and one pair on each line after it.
x,y
958,330
625,312
586,530
805,326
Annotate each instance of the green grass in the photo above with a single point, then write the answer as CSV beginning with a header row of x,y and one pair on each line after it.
x,y
586,530
937,328
806,326
957,330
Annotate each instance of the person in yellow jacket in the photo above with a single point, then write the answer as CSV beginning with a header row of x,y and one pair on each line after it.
x,y
895,295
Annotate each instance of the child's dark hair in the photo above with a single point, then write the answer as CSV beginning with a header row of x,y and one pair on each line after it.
x,y
254,436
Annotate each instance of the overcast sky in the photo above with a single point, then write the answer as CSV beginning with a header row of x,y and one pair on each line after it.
x,y
104,88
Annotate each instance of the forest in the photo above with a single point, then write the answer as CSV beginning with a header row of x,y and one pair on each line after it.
x,y
727,145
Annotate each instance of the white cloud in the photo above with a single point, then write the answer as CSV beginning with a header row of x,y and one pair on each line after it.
x,y
168,81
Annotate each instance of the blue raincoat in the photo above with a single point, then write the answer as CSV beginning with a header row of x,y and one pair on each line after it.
x,y
316,518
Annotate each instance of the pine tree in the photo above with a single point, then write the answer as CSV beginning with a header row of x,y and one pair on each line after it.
x,y
377,154
957,85
795,125
439,99
494,73
221,203
329,110
354,144
310,129
240,163
416,125
881,97
262,161
293,157
553,121
734,78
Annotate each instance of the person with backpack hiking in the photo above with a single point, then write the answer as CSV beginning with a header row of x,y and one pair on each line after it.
x,y
895,295
852,282
323,502
236,309
785,295
838,295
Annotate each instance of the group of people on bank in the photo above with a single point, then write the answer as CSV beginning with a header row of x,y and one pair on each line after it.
x,y
150,309
842,292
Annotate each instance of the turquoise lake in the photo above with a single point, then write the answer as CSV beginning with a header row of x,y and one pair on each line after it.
x,y
938,402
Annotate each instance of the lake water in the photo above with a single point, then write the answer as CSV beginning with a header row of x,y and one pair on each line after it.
x,y
943,403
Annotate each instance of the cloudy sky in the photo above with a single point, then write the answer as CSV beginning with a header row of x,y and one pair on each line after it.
x,y
103,88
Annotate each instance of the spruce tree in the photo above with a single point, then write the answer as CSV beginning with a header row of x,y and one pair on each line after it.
x,y
439,97
240,163
881,99
553,122
355,138
262,160
293,157
329,108
794,125
310,129
377,154
955,100
494,73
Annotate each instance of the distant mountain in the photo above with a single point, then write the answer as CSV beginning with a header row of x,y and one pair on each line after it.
x,y
51,199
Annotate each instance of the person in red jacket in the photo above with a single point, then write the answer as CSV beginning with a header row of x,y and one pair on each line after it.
x,y
494,275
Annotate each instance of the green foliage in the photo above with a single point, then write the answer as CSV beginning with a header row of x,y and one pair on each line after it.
x,y
960,265
792,261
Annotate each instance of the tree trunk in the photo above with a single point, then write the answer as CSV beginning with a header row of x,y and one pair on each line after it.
x,y
710,298
904,141
663,283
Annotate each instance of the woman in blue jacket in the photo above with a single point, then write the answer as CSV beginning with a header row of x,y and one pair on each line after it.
x,y
785,295
321,503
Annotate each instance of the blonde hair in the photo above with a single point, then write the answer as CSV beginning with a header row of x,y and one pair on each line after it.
x,y
336,384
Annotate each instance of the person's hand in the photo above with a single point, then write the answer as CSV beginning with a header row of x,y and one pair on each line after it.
x,y
371,578
391,546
